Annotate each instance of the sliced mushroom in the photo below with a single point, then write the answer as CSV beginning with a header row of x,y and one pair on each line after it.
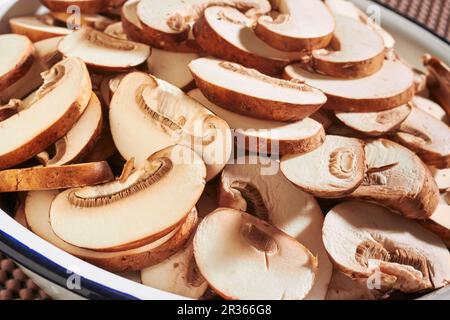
x,y
342,287
37,213
37,28
427,136
171,21
375,124
396,178
135,30
109,86
349,9
344,131
357,51
439,222
226,33
147,115
172,67
179,275
85,6
390,87
95,21
243,257
249,92
116,30
66,92
248,186
63,177
269,137
142,206
18,55
333,170
438,81
80,140
300,25
46,56
442,178
366,241
325,117
93,46
431,108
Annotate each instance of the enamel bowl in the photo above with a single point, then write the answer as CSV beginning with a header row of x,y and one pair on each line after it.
x,y
63,276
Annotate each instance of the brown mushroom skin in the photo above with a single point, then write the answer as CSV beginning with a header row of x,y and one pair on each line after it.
x,y
285,43
86,6
253,107
439,230
341,104
20,69
213,44
438,81
137,262
53,178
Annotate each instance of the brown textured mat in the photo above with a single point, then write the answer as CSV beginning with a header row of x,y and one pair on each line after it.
x,y
432,14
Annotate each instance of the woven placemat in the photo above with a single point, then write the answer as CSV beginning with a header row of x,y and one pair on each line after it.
x,y
431,14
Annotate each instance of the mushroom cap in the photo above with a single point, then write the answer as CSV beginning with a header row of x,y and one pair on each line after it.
x,y
333,170
37,215
266,135
252,185
398,179
66,92
245,258
249,92
390,87
122,206
147,107
93,46
37,28
363,239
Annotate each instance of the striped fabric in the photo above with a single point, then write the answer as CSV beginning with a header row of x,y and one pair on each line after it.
x,y
433,14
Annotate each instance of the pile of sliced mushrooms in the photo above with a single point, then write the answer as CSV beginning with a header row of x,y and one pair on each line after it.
x,y
129,142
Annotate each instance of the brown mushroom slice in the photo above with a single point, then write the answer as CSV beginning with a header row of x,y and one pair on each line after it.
x,y
172,67
390,87
398,179
46,56
249,92
431,108
85,6
357,51
93,46
265,136
226,33
80,140
438,81
148,114
96,21
37,213
427,136
171,21
301,25
250,185
439,222
243,258
66,92
37,28
109,86
349,9
52,178
179,275
333,170
367,241
116,30
142,206
18,55
344,288
375,124
442,178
